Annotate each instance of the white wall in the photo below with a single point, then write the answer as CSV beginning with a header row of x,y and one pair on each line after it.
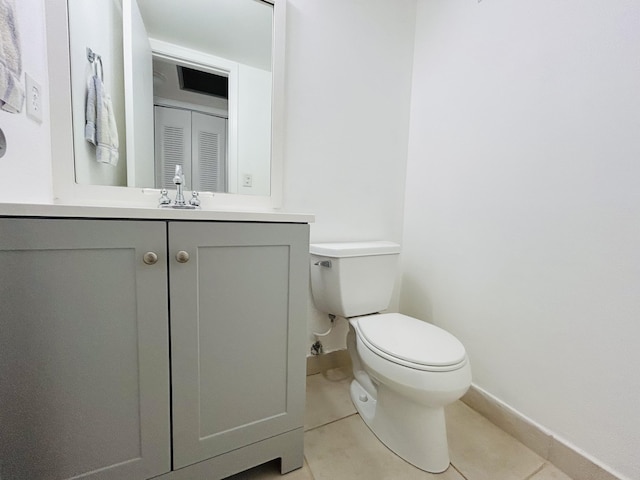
x,y
522,218
25,170
347,84
254,130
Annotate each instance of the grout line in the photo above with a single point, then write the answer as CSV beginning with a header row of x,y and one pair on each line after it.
x,y
329,423
537,470
459,472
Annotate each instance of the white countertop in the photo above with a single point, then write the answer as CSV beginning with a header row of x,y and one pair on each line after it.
x,y
123,212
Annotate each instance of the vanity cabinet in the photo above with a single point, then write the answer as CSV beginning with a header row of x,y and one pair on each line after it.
x,y
188,366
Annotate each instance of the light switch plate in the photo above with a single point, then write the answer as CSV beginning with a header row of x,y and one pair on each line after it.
x,y
34,99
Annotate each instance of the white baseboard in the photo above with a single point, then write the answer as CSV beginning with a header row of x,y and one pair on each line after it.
x,y
565,456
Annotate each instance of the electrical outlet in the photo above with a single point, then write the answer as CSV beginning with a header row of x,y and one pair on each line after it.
x,y
247,180
34,99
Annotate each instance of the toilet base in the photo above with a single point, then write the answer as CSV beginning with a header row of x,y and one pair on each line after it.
x,y
414,432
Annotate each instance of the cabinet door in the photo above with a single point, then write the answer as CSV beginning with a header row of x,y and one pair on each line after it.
x,y
238,329
84,373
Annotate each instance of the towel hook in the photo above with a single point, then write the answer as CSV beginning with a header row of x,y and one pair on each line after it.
x,y
93,57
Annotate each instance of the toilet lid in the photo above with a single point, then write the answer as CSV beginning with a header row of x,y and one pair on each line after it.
x,y
411,340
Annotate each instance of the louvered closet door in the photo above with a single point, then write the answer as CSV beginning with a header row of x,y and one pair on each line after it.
x,y
209,147
173,145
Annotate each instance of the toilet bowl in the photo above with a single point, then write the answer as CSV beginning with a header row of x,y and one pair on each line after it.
x,y
405,370
400,390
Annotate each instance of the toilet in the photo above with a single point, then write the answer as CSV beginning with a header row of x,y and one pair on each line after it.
x,y
405,370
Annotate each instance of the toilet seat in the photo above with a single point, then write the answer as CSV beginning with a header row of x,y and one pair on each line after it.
x,y
411,342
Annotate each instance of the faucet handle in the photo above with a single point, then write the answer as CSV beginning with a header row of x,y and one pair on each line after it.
x,y
195,201
164,197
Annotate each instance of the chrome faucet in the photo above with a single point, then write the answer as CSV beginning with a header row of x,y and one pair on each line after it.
x,y
165,201
178,179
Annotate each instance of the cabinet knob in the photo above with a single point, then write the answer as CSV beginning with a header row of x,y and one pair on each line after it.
x,y
182,256
150,258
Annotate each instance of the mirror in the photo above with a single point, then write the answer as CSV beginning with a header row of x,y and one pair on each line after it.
x,y
189,83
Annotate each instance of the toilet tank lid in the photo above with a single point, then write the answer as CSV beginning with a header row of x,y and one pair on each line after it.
x,y
354,249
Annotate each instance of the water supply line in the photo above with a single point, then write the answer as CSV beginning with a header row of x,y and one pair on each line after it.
x,y
324,334
316,348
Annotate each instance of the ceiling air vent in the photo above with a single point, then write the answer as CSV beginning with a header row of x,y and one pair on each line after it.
x,y
203,82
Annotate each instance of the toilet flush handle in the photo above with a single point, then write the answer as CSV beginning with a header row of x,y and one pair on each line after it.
x,y
324,263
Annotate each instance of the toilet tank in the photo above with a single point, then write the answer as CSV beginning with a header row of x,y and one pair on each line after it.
x,y
353,278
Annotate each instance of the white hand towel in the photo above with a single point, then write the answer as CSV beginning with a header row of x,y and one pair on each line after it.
x,y
91,111
100,128
11,90
106,128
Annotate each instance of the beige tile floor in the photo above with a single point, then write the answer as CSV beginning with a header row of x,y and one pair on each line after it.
x,y
339,446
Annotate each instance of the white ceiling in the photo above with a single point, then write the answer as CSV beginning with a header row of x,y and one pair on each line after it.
x,y
238,30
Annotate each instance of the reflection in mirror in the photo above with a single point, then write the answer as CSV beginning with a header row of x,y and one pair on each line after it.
x,y
191,115
186,82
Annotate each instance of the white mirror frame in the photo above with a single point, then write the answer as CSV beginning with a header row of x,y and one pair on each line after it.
x,y
67,191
